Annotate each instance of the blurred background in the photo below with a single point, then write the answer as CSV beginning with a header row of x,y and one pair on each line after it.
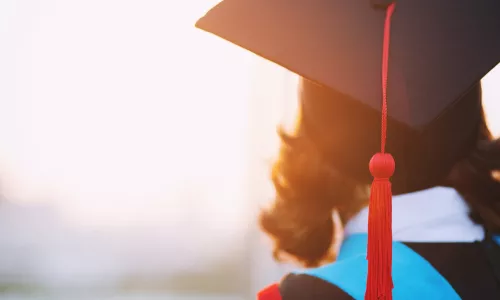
x,y
134,152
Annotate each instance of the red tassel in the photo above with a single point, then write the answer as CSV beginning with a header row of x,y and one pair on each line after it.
x,y
379,284
271,292
379,254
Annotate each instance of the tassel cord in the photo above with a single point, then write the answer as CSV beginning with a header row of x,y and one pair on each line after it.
x,y
379,252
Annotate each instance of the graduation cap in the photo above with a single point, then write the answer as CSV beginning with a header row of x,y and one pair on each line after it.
x,y
418,63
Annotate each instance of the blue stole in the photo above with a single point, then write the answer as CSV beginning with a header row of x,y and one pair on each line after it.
x,y
413,276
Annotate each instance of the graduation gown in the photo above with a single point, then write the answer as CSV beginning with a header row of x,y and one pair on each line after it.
x,y
438,253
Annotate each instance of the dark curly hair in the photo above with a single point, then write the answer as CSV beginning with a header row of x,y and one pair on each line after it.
x,y
308,191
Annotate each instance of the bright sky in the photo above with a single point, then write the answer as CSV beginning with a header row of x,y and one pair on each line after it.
x,y
109,109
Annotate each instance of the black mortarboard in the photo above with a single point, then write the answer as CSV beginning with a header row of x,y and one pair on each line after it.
x,y
439,51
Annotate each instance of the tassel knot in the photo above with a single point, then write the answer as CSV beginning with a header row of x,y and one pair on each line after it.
x,y
382,166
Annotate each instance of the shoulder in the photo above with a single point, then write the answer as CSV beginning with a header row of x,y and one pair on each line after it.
x,y
303,286
346,279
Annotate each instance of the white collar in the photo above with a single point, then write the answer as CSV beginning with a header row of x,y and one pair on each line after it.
x,y
438,214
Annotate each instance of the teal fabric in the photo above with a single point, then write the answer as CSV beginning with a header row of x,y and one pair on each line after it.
x,y
414,277
496,238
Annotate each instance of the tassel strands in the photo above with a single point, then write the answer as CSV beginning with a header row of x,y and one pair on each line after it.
x,y
379,283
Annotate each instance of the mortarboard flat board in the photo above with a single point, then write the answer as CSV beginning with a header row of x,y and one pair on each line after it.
x,y
439,50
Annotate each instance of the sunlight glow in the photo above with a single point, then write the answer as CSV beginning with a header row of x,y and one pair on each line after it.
x,y
491,98
115,114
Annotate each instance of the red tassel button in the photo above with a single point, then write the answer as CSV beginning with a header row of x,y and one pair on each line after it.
x,y
382,166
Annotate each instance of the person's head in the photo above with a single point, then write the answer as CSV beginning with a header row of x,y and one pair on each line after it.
x,y
322,168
